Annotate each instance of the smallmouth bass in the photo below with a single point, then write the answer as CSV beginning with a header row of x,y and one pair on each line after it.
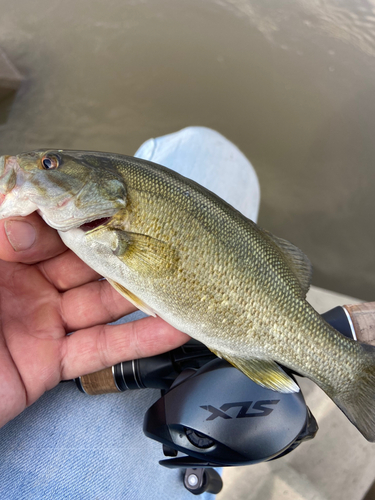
x,y
178,251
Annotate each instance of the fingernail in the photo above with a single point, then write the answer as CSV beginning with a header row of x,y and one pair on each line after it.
x,y
21,235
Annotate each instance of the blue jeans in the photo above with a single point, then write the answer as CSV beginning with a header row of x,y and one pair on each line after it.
x,y
69,445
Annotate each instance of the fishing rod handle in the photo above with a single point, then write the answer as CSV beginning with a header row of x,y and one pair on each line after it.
x,y
101,382
362,319
155,372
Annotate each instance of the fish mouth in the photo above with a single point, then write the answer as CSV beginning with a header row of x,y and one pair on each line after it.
x,y
93,224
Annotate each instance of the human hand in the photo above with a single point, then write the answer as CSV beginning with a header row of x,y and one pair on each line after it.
x,y
46,291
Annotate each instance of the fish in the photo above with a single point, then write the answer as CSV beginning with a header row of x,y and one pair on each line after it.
x,y
177,251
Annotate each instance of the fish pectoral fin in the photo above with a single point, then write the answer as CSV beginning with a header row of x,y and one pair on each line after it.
x,y
264,372
132,298
145,254
298,261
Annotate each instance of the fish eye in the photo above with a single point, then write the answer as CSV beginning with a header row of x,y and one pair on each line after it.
x,y
50,162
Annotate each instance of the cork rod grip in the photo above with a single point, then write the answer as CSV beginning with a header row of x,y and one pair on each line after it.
x,y
101,382
363,319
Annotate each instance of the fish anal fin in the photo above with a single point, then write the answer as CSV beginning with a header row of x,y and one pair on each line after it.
x,y
132,298
298,261
264,372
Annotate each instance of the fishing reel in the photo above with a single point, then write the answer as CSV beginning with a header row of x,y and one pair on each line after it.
x,y
218,417
210,414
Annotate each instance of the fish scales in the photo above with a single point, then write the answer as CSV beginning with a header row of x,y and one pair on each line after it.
x,y
221,270
178,251
249,269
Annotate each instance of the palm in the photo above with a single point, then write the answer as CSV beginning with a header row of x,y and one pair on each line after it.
x,y
32,333
40,303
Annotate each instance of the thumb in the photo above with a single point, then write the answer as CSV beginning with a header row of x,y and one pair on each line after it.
x,y
28,240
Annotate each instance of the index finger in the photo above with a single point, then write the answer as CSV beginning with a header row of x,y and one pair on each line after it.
x,y
28,240
101,346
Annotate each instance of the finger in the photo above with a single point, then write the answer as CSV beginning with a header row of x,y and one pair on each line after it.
x,y
67,271
28,240
92,304
102,346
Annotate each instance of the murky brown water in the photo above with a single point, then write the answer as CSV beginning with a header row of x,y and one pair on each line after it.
x,y
292,83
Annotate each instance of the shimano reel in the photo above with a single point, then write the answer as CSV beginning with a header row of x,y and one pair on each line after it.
x,y
210,414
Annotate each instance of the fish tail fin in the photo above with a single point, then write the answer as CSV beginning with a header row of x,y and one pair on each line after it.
x,y
358,400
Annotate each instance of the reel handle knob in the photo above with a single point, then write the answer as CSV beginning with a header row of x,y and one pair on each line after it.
x,y
197,481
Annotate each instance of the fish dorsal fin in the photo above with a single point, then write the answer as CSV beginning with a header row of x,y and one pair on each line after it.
x,y
264,372
298,261
132,298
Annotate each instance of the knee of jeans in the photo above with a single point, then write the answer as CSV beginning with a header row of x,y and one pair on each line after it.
x,y
201,132
167,144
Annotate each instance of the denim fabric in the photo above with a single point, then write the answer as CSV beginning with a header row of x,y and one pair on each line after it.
x,y
69,445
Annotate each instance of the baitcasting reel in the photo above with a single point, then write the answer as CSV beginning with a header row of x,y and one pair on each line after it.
x,y
210,414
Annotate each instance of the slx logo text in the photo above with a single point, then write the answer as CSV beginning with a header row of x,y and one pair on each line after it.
x,y
261,408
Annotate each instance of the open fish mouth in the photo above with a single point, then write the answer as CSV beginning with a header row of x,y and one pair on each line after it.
x,y
89,226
